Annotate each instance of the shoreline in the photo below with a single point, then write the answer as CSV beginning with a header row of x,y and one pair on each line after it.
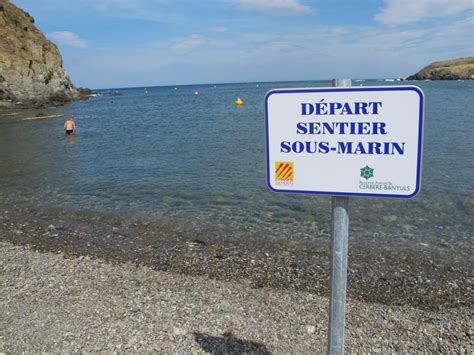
x,y
84,304
416,277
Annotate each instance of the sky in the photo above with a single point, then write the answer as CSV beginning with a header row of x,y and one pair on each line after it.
x,y
129,43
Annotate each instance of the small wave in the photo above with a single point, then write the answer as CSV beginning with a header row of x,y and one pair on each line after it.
x,y
41,117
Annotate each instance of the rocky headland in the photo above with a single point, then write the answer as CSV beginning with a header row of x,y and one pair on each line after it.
x,y
455,69
31,67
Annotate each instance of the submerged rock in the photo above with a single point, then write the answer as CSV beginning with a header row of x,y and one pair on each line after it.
x,y
31,67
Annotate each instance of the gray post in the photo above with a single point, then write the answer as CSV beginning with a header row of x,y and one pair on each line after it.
x,y
339,245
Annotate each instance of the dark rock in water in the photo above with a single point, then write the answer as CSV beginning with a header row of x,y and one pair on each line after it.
x,y
31,67
456,69
85,91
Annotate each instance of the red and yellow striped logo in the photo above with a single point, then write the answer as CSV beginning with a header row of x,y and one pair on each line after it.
x,y
284,170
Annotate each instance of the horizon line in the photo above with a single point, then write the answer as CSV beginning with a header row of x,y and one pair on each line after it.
x,y
233,83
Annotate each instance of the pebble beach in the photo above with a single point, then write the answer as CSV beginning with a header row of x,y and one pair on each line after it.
x,y
69,287
52,303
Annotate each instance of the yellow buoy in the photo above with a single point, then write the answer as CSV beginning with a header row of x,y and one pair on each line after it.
x,y
196,93
239,101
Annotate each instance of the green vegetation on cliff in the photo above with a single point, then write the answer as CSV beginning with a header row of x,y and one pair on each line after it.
x,y
455,69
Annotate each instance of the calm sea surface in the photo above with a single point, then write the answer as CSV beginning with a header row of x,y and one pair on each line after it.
x,y
182,158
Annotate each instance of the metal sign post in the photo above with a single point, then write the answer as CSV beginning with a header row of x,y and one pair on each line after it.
x,y
339,246
344,141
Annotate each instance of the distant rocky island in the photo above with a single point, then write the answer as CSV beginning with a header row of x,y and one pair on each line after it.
x,y
455,69
31,67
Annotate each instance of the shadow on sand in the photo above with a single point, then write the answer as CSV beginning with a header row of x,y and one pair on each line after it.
x,y
229,344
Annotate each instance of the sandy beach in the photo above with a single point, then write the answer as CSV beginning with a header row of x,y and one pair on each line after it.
x,y
51,303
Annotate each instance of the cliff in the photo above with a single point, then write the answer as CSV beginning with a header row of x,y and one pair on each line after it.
x,y
461,68
31,67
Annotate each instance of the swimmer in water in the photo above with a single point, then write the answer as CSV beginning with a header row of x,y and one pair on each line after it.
x,y
70,126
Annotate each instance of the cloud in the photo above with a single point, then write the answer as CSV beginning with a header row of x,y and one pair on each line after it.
x,y
286,52
188,44
399,12
68,39
292,6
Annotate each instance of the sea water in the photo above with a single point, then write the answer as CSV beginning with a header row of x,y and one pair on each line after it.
x,y
200,159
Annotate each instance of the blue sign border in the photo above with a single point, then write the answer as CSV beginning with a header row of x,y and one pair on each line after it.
x,y
347,89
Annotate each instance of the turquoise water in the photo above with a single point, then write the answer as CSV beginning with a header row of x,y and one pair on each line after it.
x,y
200,160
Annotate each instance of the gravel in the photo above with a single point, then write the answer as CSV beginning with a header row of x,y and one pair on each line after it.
x,y
56,303
421,276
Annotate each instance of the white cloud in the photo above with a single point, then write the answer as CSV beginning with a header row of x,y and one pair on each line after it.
x,y
293,6
68,39
188,44
397,12
286,53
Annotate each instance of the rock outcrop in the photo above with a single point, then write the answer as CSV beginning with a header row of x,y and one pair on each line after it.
x,y
31,67
461,68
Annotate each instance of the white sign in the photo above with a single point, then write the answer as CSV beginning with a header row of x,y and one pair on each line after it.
x,y
363,141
